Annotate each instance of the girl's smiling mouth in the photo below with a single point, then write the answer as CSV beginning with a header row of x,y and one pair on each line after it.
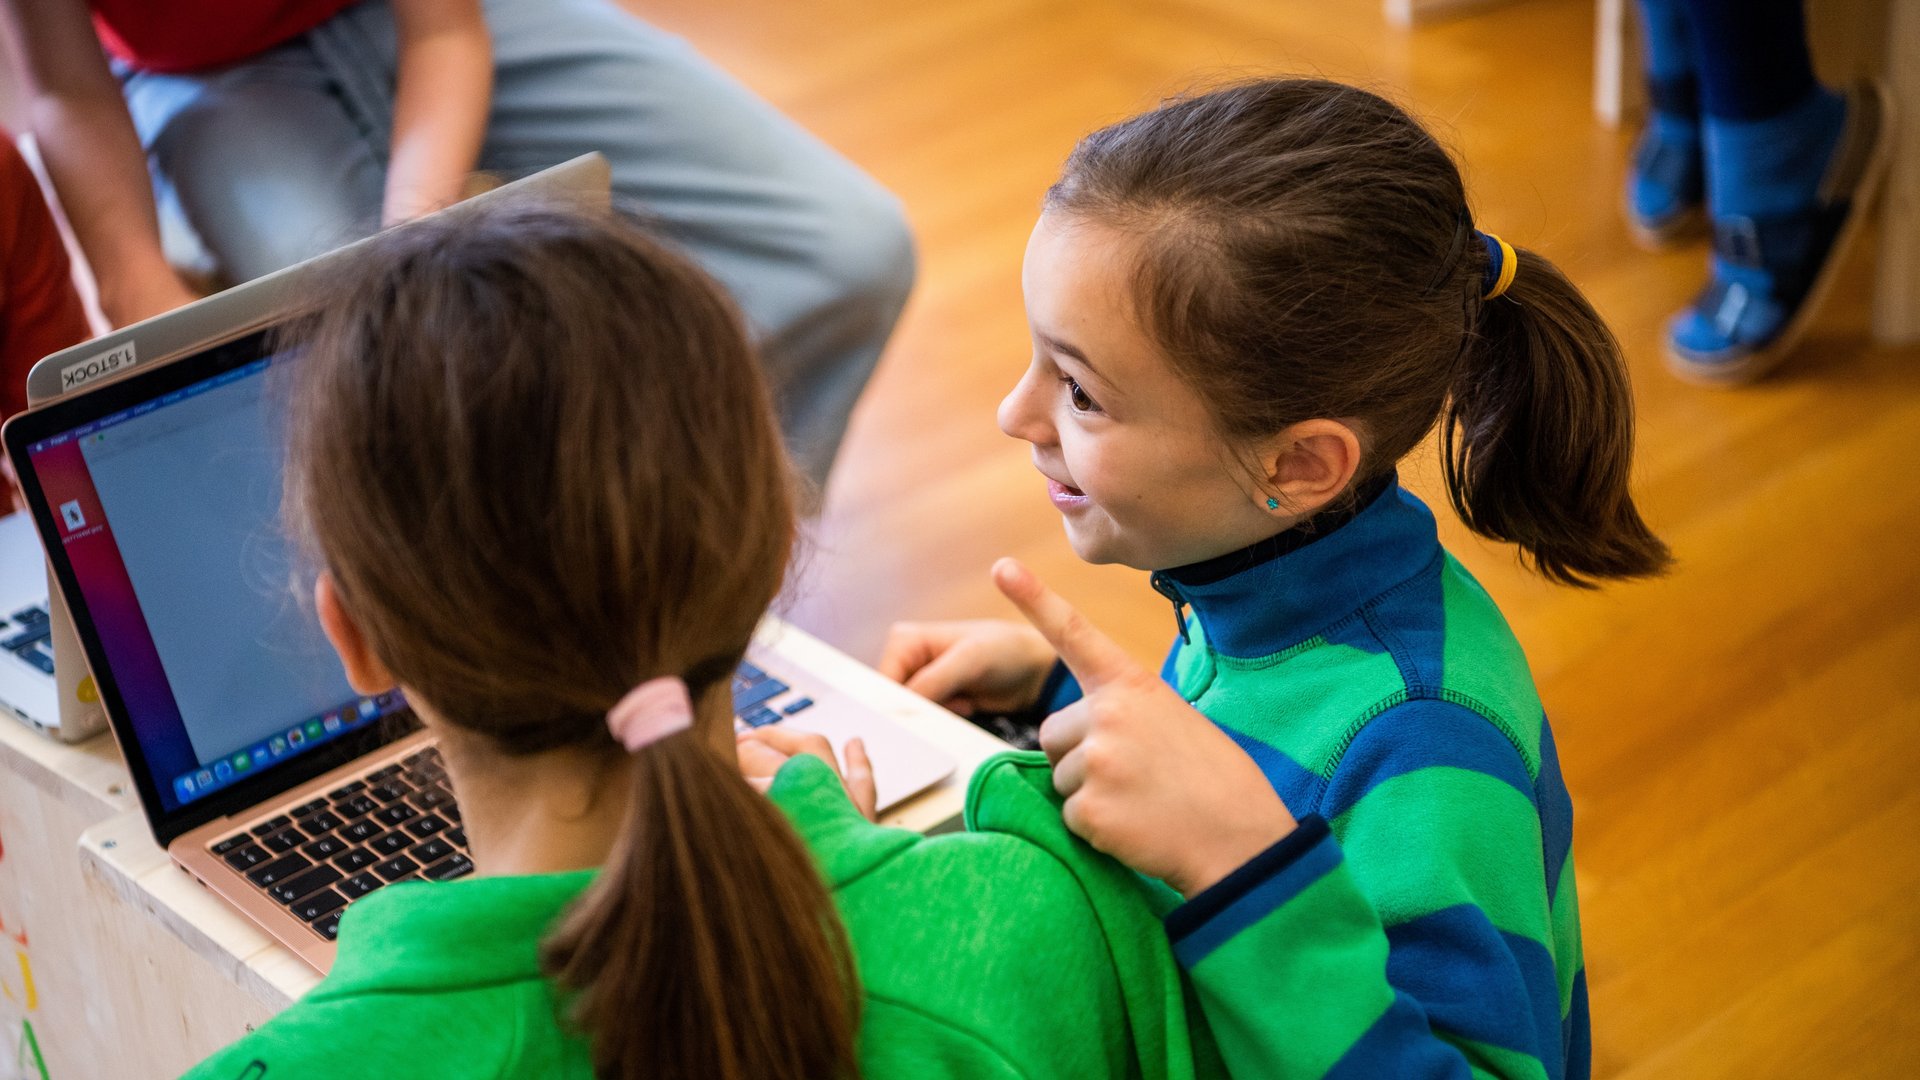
x,y
1064,497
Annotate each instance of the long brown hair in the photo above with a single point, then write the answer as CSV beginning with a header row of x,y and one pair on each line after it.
x,y
1307,251
534,451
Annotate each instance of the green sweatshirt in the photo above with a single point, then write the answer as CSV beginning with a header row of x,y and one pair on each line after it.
x,y
1011,950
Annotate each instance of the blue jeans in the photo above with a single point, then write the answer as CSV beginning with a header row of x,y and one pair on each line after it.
x,y
278,158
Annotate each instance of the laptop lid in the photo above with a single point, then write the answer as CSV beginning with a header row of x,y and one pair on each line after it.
x,y
157,497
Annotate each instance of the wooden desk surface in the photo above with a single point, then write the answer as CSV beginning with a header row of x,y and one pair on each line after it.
x,y
89,776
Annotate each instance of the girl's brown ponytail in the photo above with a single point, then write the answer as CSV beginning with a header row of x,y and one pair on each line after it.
x,y
534,450
708,948
1537,433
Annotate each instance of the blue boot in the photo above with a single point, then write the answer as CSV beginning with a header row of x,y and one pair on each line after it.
x,y
1789,197
1666,189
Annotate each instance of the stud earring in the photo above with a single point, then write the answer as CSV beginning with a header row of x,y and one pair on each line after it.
x,y
1273,503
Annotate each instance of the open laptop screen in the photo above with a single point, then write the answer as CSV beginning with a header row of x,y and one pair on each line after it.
x,y
164,501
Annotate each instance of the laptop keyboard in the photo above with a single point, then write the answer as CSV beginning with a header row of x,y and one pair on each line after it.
x,y
28,634
400,823
755,695
396,823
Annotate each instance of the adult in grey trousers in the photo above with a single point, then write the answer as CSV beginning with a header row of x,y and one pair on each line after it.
x,y
281,156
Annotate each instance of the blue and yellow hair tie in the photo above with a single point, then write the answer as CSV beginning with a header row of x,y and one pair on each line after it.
x,y
1502,265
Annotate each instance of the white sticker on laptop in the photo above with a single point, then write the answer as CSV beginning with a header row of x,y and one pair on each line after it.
x,y
98,366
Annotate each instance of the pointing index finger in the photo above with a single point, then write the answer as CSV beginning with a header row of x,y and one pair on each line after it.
x,y
1091,655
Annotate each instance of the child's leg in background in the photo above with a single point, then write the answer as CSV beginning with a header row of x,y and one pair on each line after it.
x,y
1770,127
282,157
1773,136
817,253
258,165
1664,186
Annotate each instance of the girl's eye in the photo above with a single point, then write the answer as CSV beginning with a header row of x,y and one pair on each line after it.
x,y
1081,402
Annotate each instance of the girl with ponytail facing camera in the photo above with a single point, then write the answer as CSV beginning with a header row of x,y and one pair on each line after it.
x,y
1247,306
533,459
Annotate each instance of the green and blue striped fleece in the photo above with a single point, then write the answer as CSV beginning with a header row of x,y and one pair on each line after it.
x,y
1422,921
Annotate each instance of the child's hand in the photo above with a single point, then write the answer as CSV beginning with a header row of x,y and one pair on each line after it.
x,y
969,666
763,750
1148,779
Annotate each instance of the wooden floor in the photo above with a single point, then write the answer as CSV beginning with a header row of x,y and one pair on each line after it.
x,y
1740,738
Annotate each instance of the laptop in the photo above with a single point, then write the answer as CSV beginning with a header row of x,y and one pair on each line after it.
x,y
156,495
53,697
27,688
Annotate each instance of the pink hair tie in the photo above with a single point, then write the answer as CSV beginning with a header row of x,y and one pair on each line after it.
x,y
650,712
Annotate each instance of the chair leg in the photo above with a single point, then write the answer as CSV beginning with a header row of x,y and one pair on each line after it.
x,y
1405,13
1618,89
1896,290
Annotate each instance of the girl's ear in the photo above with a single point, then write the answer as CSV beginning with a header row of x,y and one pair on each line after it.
x,y
1308,465
365,673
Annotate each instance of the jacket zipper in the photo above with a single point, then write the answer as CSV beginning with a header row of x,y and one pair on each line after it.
x,y
1165,587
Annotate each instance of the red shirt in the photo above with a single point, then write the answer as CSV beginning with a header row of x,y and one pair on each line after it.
x,y
187,35
40,312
